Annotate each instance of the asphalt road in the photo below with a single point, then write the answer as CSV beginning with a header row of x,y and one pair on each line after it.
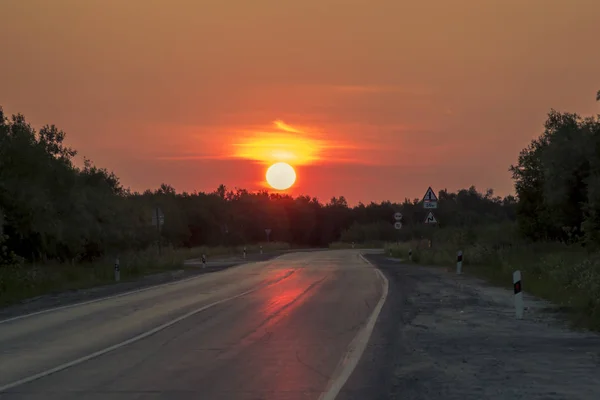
x,y
190,269
289,328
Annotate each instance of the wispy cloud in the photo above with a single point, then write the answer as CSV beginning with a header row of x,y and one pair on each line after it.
x,y
296,145
285,127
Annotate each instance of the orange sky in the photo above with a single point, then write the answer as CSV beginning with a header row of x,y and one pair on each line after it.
x,y
389,96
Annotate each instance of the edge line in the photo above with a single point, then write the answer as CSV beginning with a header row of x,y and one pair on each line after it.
x,y
357,346
121,344
114,296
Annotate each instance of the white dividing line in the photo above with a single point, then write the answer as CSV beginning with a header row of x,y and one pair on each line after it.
x,y
357,346
119,345
115,296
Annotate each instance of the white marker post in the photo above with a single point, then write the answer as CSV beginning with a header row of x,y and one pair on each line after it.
x,y
117,270
459,259
261,249
518,294
203,260
244,252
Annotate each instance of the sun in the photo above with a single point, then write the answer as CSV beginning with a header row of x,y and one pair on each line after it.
x,y
281,176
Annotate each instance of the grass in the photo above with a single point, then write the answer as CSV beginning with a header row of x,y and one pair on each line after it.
x,y
366,245
21,282
567,275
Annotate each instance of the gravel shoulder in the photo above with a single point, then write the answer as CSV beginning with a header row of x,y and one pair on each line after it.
x,y
445,336
190,269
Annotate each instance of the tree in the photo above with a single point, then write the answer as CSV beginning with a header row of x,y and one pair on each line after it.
x,y
556,180
68,213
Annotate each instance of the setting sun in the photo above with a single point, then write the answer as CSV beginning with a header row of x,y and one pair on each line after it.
x,y
281,176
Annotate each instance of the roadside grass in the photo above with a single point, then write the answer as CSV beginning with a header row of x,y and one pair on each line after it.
x,y
365,245
21,282
566,275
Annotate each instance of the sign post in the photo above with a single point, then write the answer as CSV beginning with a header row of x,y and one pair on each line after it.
x,y
459,259
430,201
117,270
158,220
398,224
518,294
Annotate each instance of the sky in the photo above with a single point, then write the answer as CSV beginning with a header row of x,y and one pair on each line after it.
x,y
370,99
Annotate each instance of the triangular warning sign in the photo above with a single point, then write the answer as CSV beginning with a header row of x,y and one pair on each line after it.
x,y
429,195
430,219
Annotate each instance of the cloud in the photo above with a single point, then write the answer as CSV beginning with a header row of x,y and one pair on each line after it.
x,y
287,143
285,127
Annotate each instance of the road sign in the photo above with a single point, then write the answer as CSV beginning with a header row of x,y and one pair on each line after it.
x,y
430,195
398,216
430,219
430,199
398,225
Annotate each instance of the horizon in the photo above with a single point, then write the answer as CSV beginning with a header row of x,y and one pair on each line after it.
x,y
78,161
372,103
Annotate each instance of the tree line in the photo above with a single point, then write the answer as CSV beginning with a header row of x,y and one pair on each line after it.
x,y
557,181
52,209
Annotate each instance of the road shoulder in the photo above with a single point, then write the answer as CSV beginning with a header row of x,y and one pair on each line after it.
x,y
67,298
453,337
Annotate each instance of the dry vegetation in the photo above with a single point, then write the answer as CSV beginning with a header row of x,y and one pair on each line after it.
x,y
566,274
23,281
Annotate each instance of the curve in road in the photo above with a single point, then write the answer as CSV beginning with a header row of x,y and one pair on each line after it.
x,y
271,330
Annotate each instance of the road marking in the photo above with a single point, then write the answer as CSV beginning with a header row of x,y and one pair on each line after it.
x,y
357,346
119,345
115,296
138,337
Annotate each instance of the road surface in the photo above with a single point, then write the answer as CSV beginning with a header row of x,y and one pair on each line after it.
x,y
289,328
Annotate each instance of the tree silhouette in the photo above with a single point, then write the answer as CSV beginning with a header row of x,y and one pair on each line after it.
x,y
69,213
